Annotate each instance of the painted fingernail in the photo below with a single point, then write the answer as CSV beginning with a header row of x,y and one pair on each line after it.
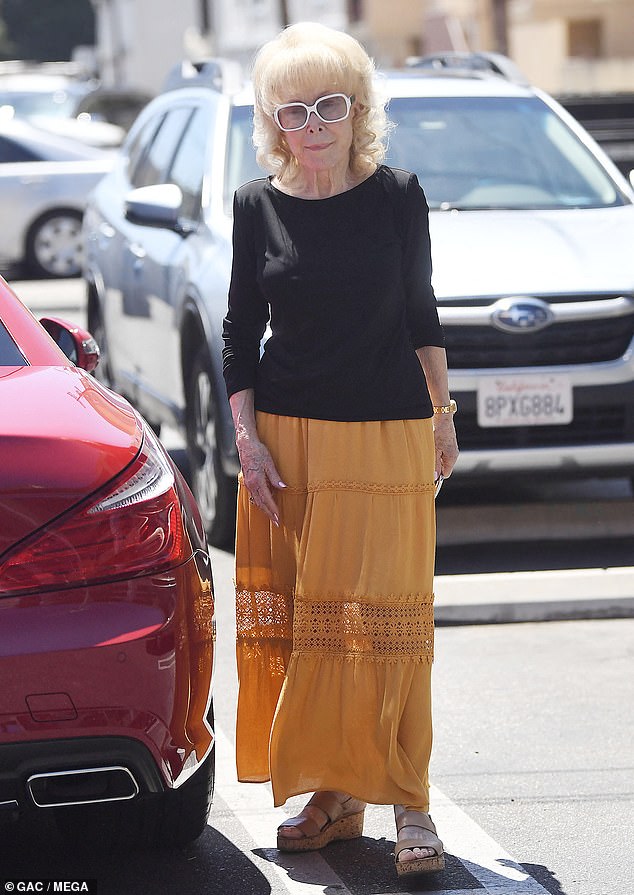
x,y
281,484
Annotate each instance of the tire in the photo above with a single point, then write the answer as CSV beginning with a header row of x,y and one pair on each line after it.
x,y
54,245
215,492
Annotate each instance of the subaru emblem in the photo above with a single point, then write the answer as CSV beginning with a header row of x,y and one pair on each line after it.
x,y
521,314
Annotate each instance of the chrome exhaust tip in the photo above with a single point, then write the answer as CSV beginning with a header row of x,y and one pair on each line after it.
x,y
82,786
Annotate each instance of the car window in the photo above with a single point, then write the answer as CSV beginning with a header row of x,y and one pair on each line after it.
x,y
10,355
495,152
241,164
138,143
13,152
188,167
154,164
27,103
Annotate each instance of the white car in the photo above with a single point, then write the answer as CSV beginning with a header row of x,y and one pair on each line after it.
x,y
57,102
44,183
532,231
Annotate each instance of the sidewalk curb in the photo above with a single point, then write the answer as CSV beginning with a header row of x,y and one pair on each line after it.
x,y
507,598
545,611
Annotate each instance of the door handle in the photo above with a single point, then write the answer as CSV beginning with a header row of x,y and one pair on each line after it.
x,y
137,250
106,230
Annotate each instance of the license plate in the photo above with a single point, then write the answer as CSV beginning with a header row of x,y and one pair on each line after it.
x,y
524,401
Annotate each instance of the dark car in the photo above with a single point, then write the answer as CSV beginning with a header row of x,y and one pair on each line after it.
x,y
106,604
531,228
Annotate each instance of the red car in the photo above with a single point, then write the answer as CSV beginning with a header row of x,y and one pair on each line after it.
x,y
106,602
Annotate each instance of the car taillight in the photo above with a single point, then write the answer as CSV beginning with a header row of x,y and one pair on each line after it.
x,y
132,527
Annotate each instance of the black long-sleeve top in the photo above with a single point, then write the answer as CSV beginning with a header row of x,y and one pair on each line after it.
x,y
345,283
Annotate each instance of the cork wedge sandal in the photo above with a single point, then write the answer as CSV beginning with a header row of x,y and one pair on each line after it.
x,y
325,818
426,838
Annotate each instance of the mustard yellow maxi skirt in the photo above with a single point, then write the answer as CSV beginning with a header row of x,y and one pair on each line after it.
x,y
335,612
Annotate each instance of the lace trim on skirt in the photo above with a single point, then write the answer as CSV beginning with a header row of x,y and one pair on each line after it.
x,y
264,615
346,628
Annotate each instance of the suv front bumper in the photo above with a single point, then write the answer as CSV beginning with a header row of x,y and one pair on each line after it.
x,y
598,441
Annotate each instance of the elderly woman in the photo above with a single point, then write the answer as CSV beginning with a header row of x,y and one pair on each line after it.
x,y
343,424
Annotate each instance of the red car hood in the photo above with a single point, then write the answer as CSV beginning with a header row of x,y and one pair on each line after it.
x,y
62,436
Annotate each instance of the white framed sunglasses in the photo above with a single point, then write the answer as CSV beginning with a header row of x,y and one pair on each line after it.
x,y
329,108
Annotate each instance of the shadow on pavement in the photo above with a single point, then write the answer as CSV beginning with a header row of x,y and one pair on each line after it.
x,y
211,865
508,556
366,865
545,878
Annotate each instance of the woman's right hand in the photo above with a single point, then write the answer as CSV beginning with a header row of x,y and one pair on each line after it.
x,y
259,474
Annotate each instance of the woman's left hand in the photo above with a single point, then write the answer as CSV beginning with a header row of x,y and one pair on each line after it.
x,y
445,443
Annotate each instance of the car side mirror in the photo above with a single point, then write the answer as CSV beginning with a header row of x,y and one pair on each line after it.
x,y
158,205
76,343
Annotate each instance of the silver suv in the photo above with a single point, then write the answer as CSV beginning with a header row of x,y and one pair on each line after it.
x,y
532,233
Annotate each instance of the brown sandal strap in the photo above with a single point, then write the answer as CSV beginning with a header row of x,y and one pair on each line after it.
x,y
311,820
328,804
322,809
414,819
429,837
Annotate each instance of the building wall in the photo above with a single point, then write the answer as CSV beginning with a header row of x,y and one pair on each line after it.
x,y
616,18
392,30
575,45
139,41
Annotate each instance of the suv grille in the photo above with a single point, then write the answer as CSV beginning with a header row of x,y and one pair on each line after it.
x,y
575,342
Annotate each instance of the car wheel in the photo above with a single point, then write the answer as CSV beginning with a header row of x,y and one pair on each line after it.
x,y
215,492
54,244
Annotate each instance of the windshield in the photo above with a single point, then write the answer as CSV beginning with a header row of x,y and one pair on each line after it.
x,y
471,153
495,152
27,104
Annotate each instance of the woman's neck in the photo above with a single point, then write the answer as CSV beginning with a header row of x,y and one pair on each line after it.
x,y
309,184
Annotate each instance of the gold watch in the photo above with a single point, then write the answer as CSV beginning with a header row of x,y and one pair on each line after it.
x,y
446,408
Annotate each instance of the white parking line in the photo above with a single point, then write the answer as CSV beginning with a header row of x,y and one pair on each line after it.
x,y
253,807
495,869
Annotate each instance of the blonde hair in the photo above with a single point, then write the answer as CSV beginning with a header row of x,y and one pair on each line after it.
x,y
303,58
